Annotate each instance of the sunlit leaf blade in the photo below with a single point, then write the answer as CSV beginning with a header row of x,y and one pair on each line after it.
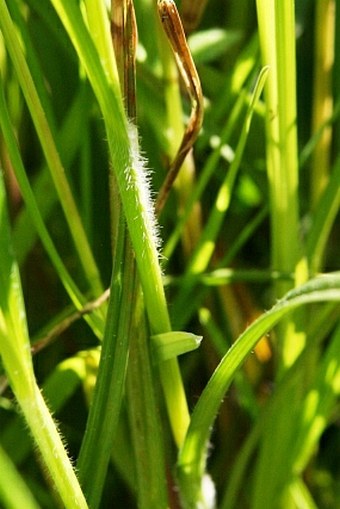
x,y
192,458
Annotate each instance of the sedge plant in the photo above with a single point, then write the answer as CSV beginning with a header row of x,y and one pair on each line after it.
x,y
105,295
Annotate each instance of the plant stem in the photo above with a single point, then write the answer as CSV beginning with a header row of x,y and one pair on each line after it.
x,y
277,39
17,361
52,450
145,426
105,409
323,97
129,171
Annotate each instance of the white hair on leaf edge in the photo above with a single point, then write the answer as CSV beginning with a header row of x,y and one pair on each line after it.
x,y
139,175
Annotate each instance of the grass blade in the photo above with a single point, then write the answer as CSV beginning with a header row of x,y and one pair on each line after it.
x,y
17,361
276,22
49,148
145,424
323,220
17,164
192,458
132,183
14,494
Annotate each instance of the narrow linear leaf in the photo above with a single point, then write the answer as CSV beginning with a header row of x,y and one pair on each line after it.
x,y
14,493
17,361
192,458
48,145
